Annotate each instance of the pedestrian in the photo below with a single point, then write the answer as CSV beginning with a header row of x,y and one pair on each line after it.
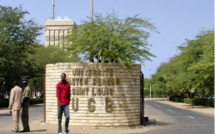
x,y
26,96
63,100
15,101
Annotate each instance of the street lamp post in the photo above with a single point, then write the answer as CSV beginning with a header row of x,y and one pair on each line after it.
x,y
91,10
53,6
150,87
192,95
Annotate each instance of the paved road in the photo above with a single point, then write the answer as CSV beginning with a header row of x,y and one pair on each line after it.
x,y
172,120
169,120
6,122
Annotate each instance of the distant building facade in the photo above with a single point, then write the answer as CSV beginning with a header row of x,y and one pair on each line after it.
x,y
56,30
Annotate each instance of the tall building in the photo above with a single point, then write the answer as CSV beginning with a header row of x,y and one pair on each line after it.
x,y
56,30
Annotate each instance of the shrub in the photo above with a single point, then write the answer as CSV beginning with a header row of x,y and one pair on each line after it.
x,y
188,100
196,97
176,99
203,102
179,99
211,102
4,102
36,101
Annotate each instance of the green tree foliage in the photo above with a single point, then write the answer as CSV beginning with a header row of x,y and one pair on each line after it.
x,y
193,68
199,57
17,42
110,39
147,87
50,55
157,88
47,55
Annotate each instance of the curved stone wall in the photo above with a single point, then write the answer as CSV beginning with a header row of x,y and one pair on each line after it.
x,y
102,94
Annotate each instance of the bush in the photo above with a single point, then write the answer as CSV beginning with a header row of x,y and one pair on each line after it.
x,y
36,101
196,97
203,102
211,102
176,99
172,98
5,102
200,101
197,101
188,100
179,99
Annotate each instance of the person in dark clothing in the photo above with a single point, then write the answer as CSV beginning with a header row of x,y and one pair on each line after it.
x,y
26,95
63,99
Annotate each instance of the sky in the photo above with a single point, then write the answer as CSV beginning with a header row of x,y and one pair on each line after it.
x,y
175,20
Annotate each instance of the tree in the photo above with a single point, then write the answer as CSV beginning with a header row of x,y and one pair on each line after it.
x,y
50,55
47,55
199,57
193,68
147,87
17,40
111,39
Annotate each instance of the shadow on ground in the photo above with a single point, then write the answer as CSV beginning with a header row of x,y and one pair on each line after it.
x,y
5,114
153,122
32,131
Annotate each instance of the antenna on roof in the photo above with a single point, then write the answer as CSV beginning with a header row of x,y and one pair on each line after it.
x,y
53,6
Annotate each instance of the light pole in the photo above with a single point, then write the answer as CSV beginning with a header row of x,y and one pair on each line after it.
x,y
91,10
53,6
192,95
150,87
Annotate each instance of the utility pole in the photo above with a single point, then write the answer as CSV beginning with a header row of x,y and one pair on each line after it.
x,y
53,6
91,10
150,86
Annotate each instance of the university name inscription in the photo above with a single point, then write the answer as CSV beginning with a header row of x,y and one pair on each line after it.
x,y
93,82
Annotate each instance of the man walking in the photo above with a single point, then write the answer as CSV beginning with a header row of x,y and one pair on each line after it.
x,y
26,95
15,105
63,99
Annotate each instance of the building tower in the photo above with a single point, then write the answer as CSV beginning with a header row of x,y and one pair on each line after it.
x,y
56,30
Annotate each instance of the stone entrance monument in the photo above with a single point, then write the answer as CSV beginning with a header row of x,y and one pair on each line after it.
x,y
102,94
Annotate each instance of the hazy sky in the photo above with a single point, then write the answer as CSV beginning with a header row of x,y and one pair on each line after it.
x,y
176,20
